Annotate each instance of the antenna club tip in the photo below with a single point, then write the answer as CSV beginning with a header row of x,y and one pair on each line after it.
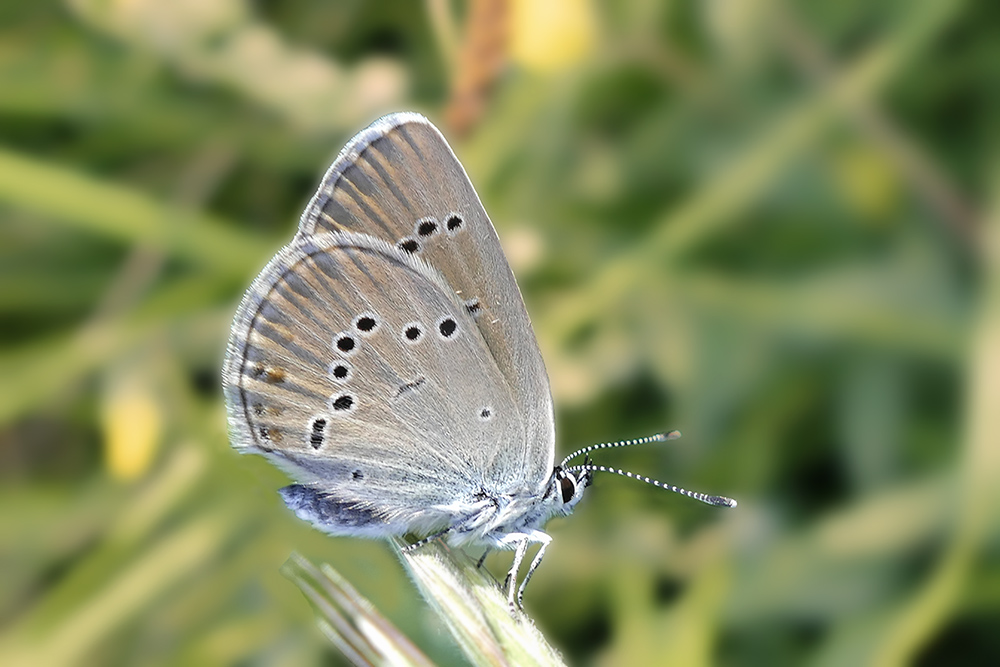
x,y
672,435
719,501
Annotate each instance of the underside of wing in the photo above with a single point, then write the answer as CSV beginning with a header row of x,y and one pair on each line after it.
x,y
399,181
354,367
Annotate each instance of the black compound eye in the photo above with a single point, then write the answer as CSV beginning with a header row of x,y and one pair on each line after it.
x,y
567,487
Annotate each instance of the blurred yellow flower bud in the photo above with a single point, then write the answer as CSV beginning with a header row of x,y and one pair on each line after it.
x,y
551,35
132,426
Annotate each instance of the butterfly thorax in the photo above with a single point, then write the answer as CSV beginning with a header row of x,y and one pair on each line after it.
x,y
490,518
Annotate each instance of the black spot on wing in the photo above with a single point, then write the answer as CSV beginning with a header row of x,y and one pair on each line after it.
x,y
316,435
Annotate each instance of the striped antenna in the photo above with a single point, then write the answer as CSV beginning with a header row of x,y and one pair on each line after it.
x,y
718,501
659,437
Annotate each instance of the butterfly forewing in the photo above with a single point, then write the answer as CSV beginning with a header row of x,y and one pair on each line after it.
x,y
357,370
400,181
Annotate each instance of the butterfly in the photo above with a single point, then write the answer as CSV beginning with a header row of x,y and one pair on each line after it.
x,y
384,359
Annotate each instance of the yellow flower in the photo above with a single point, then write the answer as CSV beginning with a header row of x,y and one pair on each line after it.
x,y
551,35
132,425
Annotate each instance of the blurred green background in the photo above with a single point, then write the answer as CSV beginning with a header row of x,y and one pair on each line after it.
x,y
771,225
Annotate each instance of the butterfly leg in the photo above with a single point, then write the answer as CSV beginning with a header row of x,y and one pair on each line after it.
x,y
522,540
543,539
510,583
482,559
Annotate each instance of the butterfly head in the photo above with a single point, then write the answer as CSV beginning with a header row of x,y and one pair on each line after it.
x,y
567,488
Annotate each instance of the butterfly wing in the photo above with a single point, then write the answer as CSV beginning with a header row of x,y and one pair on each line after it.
x,y
399,181
353,366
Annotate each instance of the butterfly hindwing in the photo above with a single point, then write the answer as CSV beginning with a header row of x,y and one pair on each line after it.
x,y
354,367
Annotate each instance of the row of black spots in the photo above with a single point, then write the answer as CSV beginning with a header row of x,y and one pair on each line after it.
x,y
346,344
428,227
363,325
446,327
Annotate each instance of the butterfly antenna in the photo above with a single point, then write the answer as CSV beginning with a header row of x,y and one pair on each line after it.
x,y
659,437
718,501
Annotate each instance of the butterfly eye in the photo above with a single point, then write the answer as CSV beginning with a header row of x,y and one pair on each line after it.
x,y
567,487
